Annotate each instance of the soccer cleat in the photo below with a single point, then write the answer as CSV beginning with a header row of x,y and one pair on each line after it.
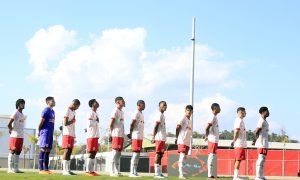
x,y
10,171
159,176
182,177
114,175
43,172
95,174
73,174
18,171
237,178
89,174
49,172
66,173
133,175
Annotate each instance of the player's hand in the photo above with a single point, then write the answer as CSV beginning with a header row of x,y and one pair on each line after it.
x,y
9,131
109,139
253,142
232,144
152,141
129,136
85,130
206,138
74,120
176,141
60,128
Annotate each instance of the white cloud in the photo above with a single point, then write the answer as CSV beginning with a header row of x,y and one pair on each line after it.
x,y
47,45
117,63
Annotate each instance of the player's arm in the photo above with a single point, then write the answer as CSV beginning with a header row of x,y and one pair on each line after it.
x,y
155,130
132,124
42,121
67,122
178,128
235,135
10,125
257,131
207,131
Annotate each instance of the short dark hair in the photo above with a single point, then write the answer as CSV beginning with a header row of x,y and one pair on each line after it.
x,y
190,107
240,109
263,109
214,105
118,99
91,102
162,102
140,102
76,101
19,102
49,98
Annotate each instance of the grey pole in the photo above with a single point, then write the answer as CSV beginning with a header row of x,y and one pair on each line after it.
x,y
192,78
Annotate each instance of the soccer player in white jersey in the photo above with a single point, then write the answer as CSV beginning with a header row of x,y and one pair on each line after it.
x,y
136,134
117,135
183,137
159,138
239,140
92,134
16,131
68,135
212,136
261,142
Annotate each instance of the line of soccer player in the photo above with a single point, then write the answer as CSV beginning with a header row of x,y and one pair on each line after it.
x,y
117,133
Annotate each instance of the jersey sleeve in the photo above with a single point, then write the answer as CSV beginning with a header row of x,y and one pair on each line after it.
x,y
210,120
13,116
113,114
134,116
237,124
45,113
260,123
180,122
90,119
158,118
67,113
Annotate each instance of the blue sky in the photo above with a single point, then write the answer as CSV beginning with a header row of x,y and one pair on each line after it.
x,y
247,54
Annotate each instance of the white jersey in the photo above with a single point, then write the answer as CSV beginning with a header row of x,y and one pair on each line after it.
x,y
17,125
263,139
161,134
138,129
241,140
213,135
70,129
185,133
92,125
118,127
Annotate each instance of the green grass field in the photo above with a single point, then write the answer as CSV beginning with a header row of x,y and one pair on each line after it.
x,y
33,175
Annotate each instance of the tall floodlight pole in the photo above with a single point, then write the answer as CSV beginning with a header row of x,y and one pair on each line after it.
x,y
192,79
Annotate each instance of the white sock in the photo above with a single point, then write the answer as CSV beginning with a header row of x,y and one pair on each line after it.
x,y
16,162
132,163
235,173
94,164
260,166
181,163
210,165
136,163
113,157
64,163
88,165
156,170
68,165
10,161
214,162
118,159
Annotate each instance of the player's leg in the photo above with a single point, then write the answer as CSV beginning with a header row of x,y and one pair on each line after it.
x,y
66,160
41,159
16,161
236,168
46,160
181,164
10,160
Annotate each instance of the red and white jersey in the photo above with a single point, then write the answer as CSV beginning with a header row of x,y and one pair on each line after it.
x,y
213,135
138,129
263,139
92,125
185,132
161,134
241,140
70,129
18,125
118,126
